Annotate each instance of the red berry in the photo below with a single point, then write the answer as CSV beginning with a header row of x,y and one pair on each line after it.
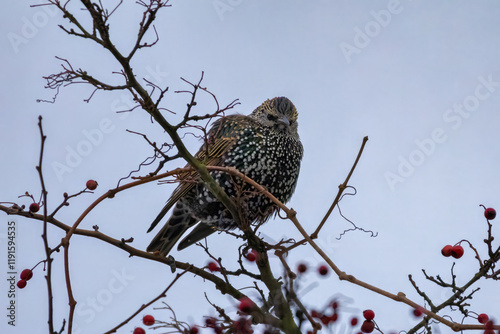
x,y
483,318
334,305
354,321
446,251
457,251
301,268
194,330
246,305
368,314
417,313
26,274
212,266
368,326
490,213
488,324
242,326
323,270
315,314
139,330
34,207
91,185
251,256
21,284
325,320
148,320
210,322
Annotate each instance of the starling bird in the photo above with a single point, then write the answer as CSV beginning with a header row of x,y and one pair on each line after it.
x,y
264,145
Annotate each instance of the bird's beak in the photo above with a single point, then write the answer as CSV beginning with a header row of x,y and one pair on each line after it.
x,y
284,121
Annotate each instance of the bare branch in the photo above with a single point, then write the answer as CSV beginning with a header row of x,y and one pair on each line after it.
x,y
342,187
48,250
144,306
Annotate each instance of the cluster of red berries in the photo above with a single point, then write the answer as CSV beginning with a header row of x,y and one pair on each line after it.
x,y
251,256
488,324
456,251
147,320
327,319
322,270
26,275
368,325
212,323
241,326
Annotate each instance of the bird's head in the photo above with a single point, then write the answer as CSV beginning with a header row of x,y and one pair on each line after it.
x,y
279,114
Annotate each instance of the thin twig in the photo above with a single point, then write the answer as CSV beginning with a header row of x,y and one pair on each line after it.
x,y
48,251
144,306
342,187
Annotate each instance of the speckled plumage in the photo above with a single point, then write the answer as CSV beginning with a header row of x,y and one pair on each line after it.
x,y
264,145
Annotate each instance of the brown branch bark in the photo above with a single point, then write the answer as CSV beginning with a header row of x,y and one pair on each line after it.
x,y
48,250
342,187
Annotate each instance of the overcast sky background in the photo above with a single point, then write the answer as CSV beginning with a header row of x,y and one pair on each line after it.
x,y
421,79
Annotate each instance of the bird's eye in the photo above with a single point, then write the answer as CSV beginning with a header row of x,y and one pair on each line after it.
x,y
271,117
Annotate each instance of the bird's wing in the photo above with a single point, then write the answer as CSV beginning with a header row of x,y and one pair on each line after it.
x,y
220,139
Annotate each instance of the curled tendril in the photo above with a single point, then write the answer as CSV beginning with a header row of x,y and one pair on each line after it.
x,y
355,227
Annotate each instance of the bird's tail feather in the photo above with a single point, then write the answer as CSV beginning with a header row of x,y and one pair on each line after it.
x,y
201,231
179,222
160,216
